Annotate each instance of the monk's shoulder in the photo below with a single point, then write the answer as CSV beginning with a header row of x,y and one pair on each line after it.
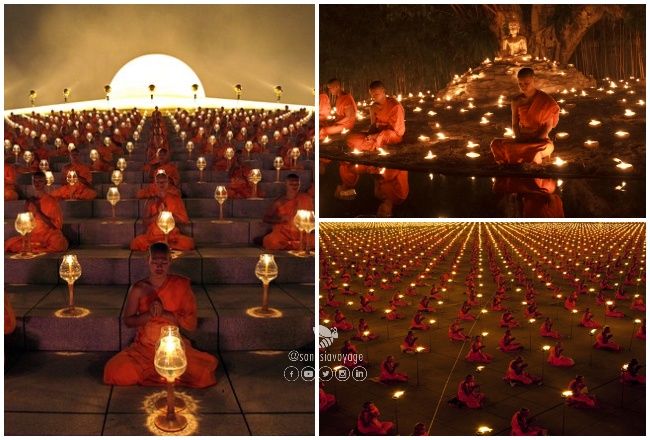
x,y
178,279
545,97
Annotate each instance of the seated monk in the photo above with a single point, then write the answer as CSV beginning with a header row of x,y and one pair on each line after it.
x,y
417,323
368,422
331,301
534,115
340,323
521,424
464,312
408,345
364,305
496,304
507,343
10,182
151,190
516,373
546,330
619,294
507,320
163,201
557,359
350,355
159,300
536,197
637,303
640,333
363,332
571,301
420,429
47,235
74,189
391,313
10,317
603,340
424,306
476,354
455,332
610,311
469,393
630,373
285,234
161,162
581,396
588,321
325,400
389,372
345,110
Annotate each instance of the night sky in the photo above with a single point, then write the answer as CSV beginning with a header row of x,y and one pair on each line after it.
x,y
50,47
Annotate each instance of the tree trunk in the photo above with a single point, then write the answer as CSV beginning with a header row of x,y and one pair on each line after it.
x,y
582,18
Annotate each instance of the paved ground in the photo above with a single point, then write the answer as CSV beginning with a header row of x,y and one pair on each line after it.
x,y
622,410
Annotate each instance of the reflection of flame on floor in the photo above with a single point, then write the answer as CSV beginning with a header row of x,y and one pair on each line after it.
x,y
28,256
256,312
191,408
81,312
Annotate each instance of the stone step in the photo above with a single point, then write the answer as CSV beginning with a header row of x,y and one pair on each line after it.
x,y
122,230
223,323
133,208
105,265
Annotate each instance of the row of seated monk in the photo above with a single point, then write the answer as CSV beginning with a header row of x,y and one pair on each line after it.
x,y
534,115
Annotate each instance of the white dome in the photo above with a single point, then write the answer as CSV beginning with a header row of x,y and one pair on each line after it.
x,y
172,78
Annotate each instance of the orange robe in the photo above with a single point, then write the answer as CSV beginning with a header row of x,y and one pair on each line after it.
x,y
324,107
43,238
538,196
285,236
390,185
10,182
134,365
540,111
151,190
154,234
345,116
74,192
170,170
390,127
10,317
82,170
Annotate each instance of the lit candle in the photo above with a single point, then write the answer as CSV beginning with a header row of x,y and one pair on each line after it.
x,y
629,113
472,155
432,113
430,155
441,136
382,152
594,123
591,144
622,134
558,162
417,110
356,152
622,165
424,138
562,135
484,121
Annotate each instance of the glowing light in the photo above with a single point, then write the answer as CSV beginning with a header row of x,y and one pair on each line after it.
x,y
471,144
509,132
430,156
171,76
622,134
356,152
622,165
382,152
482,430
424,138
398,394
441,136
559,162
546,347
472,155
484,121
431,113
417,110
594,123
567,393
562,135
629,113
591,144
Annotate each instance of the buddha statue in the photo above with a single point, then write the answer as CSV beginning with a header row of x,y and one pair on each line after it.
x,y
514,45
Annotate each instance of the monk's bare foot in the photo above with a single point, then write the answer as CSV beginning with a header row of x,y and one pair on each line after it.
x,y
345,194
385,209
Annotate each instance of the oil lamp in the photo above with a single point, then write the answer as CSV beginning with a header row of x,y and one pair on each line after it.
x,y
28,157
201,164
49,178
254,178
70,271
266,270
309,224
16,151
229,154
483,430
72,178
166,223
130,147
299,221
121,164
170,362
189,147
94,155
221,195
248,146
113,197
295,154
264,140
44,165
25,224
307,146
278,92
195,88
278,163
151,88
229,135
116,177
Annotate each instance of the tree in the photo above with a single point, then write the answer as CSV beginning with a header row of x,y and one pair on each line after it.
x,y
553,31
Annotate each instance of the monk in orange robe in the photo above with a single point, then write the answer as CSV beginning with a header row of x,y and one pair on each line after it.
x,y
10,182
151,190
47,235
538,196
78,184
324,107
386,127
159,300
285,234
534,115
163,201
345,110
161,162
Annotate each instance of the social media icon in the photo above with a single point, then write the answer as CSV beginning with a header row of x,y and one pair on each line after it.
x,y
291,374
326,374
359,374
342,374
308,374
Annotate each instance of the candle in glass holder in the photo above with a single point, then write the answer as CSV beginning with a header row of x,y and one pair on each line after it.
x,y
43,165
263,141
25,224
70,271
266,270
166,223
229,154
254,178
278,163
189,147
16,150
113,197
201,164
170,362
307,146
72,178
295,154
248,146
121,164
116,177
130,148
229,135
221,195
49,178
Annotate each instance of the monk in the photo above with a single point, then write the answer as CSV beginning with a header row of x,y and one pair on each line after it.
x,y
520,424
534,115
389,372
476,354
469,394
345,110
516,374
84,174
285,234
368,422
341,323
159,300
507,343
408,345
161,162
546,330
587,320
47,235
630,373
604,342
581,397
10,182
557,359
163,201
455,332
74,189
325,400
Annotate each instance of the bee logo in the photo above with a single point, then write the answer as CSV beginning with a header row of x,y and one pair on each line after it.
x,y
326,335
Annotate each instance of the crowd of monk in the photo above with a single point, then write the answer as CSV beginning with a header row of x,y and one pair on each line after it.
x,y
383,274
33,141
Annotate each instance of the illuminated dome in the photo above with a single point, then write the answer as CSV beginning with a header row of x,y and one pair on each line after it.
x,y
172,78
